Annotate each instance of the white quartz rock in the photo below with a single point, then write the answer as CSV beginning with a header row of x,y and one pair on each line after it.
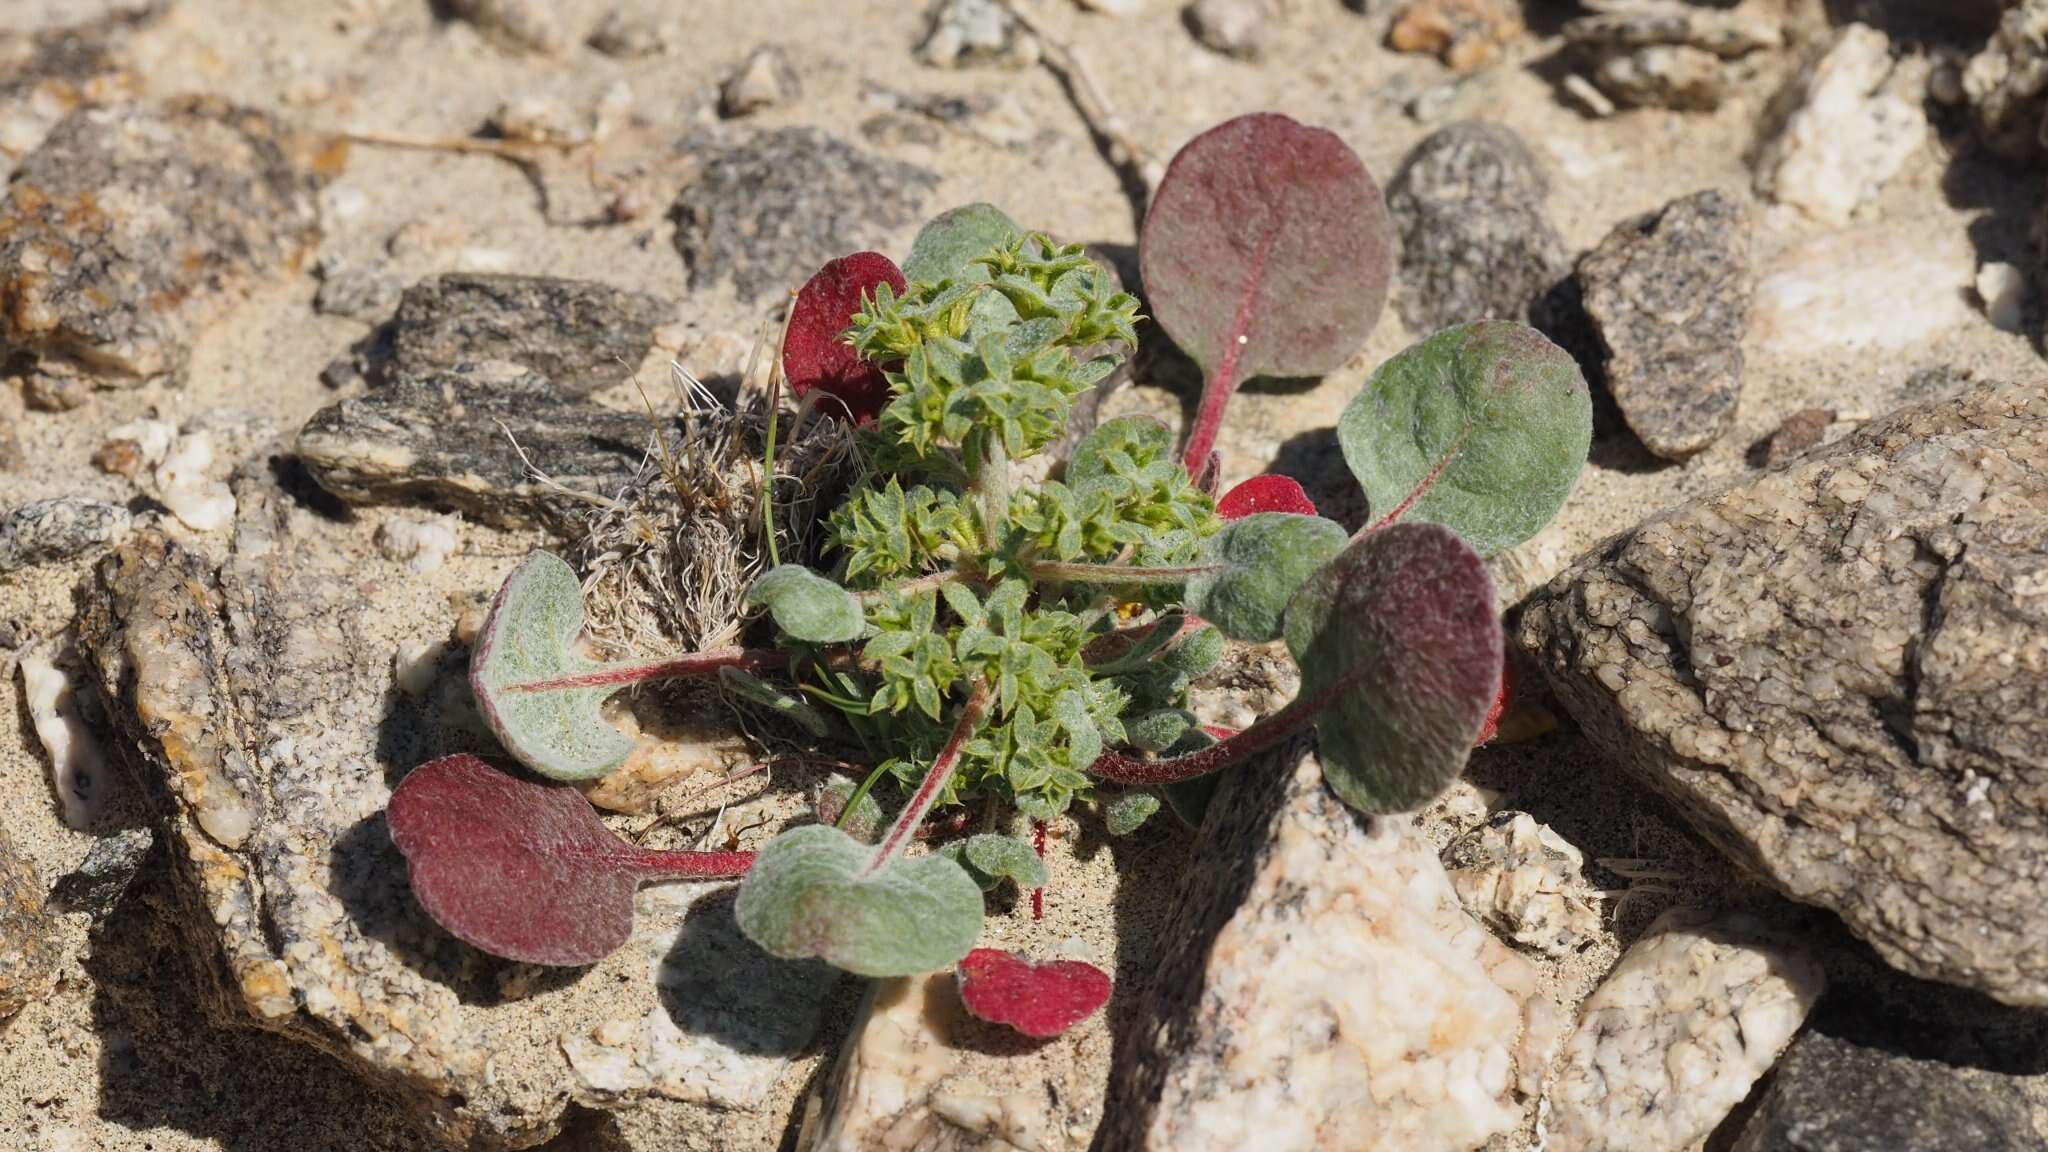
x,y
78,768
1850,134
421,543
1883,286
200,503
1523,879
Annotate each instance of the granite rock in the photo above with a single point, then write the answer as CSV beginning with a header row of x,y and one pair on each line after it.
x,y
1832,1095
1475,241
1525,881
1856,120
28,946
1668,293
1667,54
60,528
131,226
1676,1034
2006,82
48,73
580,334
1839,672
1322,987
767,211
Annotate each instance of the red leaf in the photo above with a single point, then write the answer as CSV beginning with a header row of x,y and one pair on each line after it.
x,y
1500,703
526,870
1268,493
1041,1000
815,355
1267,251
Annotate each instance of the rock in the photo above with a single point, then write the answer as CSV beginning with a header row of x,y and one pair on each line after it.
x,y
1665,76
78,766
767,212
1237,28
48,73
28,947
421,544
1668,293
59,529
1475,241
1850,133
626,34
964,32
185,484
764,80
495,441
1665,54
1466,35
1839,672
13,413
363,292
1795,434
103,877
1304,930
534,120
523,25
580,334
1522,879
1114,7
1831,1095
2003,290
2006,82
1676,1034
1884,286
129,227
256,694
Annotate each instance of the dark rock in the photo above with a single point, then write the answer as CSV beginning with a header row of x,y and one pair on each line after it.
x,y
364,292
1839,673
103,877
57,529
1795,434
1668,293
129,227
625,34
1830,1095
478,439
1475,242
581,335
766,212
28,954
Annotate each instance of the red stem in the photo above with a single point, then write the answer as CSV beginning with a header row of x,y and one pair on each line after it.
x,y
1217,390
686,865
913,814
1121,769
1118,573
693,664
1038,846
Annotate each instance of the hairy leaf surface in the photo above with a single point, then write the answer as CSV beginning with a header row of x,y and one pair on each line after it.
x,y
810,893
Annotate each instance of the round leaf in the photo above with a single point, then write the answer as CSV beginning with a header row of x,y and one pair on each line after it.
x,y
526,638
1134,440
815,354
991,859
945,248
1040,1000
1266,493
1400,640
806,606
809,893
1126,812
1482,427
1262,559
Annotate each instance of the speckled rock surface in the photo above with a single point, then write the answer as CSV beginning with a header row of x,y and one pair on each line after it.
x,y
1831,1095
1675,1036
1321,988
1857,119
257,699
1475,241
60,528
1839,671
581,335
130,226
1668,293
47,73
766,211
1525,881
28,957
1664,53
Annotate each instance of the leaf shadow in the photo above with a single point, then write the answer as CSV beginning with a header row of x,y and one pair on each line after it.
x,y
1315,460
715,982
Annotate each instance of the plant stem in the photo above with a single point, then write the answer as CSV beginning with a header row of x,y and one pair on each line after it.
x,y
768,465
1120,769
1076,573
901,832
693,664
687,865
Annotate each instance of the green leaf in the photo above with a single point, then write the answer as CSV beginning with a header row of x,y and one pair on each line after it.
x,y
810,893
1132,441
1195,655
948,248
1127,812
1157,730
529,637
1263,558
992,859
1482,427
806,606
864,823
1400,641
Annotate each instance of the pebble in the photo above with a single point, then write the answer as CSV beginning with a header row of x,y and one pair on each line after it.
x,y
2006,82
1466,35
581,334
1664,76
78,767
182,483
1795,435
1850,132
1522,879
766,79
1237,28
966,32
1594,101
58,529
360,291
1882,286
2003,290
422,544
625,34
534,120
1113,7
103,877
13,413
1665,54
1835,1095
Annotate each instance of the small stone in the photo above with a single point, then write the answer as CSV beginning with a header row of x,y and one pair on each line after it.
x,y
630,35
535,120
1849,133
2006,82
1675,1036
1884,286
1832,1095
1594,101
364,292
1521,878
56,387
103,877
426,236
1796,434
765,79
1665,76
1113,7
2003,290
183,483
59,529
28,947
1466,35
768,211
580,334
524,25
1475,240
1669,294
1729,33
421,544
13,413
964,32
78,766
1233,27
48,73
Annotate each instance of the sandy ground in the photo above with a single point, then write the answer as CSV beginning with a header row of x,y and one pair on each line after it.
x,y
115,1058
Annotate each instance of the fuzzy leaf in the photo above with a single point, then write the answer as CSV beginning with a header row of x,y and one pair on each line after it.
x,y
864,823
1195,654
1264,558
1157,730
526,870
1266,493
1482,427
1138,439
815,354
528,638
992,859
810,894
1127,812
945,248
1039,1000
807,606
1400,638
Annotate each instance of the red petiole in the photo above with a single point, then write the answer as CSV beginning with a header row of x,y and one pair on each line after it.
x,y
913,814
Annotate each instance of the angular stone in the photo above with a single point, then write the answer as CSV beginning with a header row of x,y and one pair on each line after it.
x,y
959,33
1839,672
763,80
1475,242
1849,134
130,226
472,439
1305,931
1668,293
768,211
1885,286
1728,33
1522,879
1675,1036
1665,76
1831,1095
28,949
579,334
60,528
256,693
103,877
